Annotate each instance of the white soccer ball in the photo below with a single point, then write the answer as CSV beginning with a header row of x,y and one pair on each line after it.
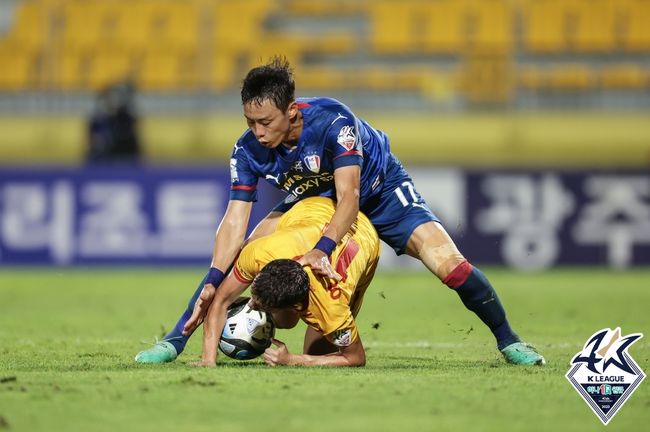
x,y
247,332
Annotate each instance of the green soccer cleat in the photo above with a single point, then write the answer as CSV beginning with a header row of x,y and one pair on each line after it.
x,y
522,353
161,352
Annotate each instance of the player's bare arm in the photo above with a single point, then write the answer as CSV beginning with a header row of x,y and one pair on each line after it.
x,y
347,180
228,242
265,227
349,356
231,234
229,291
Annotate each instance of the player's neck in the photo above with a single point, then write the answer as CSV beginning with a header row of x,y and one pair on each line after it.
x,y
295,130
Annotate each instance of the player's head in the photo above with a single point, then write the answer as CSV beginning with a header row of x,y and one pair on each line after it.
x,y
268,99
281,284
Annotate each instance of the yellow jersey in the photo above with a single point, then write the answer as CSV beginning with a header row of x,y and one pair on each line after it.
x,y
332,306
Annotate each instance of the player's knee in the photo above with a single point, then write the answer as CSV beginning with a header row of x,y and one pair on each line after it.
x,y
458,274
440,258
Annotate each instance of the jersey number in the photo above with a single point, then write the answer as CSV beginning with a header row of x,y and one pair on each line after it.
x,y
402,197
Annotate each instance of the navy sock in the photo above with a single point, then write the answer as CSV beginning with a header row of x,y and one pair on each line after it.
x,y
478,295
175,337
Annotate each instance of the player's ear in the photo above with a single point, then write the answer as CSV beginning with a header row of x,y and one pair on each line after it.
x,y
292,110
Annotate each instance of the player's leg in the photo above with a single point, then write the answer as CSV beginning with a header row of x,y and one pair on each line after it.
x,y
173,343
404,221
430,243
316,344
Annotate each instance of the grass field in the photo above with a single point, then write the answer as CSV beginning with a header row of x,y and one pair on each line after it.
x,y
67,341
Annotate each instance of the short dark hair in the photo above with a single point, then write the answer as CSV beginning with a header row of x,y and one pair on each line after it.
x,y
272,81
281,284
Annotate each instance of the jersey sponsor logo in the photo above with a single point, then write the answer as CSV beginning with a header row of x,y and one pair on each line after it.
x,y
604,373
313,163
237,148
347,139
234,177
298,185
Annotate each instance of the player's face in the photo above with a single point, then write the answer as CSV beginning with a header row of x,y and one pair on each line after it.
x,y
269,124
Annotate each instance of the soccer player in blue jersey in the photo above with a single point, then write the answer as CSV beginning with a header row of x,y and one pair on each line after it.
x,y
317,146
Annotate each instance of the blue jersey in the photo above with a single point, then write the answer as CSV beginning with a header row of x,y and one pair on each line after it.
x,y
332,137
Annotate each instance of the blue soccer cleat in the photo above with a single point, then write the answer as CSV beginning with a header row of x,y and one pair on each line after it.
x,y
161,352
522,353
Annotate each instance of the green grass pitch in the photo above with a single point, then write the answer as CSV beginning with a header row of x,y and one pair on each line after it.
x,y
68,337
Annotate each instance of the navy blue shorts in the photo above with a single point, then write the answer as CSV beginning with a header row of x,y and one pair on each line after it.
x,y
396,211
399,209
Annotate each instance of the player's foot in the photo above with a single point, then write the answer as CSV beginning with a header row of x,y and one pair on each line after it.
x,y
161,352
522,353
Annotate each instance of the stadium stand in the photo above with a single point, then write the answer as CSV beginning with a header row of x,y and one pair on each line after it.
x,y
485,49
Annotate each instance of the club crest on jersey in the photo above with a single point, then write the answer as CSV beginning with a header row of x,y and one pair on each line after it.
x,y
347,138
604,373
313,163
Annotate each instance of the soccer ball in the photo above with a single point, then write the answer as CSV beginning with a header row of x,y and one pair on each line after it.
x,y
247,332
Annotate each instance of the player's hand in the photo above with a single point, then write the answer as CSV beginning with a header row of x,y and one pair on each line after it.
x,y
200,309
279,356
319,263
203,363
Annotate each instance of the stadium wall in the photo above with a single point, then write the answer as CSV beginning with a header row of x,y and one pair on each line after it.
x,y
556,140
526,219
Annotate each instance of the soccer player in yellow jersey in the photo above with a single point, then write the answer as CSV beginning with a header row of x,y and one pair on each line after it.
x,y
290,292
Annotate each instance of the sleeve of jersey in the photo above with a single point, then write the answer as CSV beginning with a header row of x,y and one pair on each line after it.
x,y
245,268
345,335
243,182
344,142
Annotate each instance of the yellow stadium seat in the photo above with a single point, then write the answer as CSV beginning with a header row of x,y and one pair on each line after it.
x,y
391,27
238,25
322,8
443,26
544,26
72,72
571,77
493,26
376,78
284,45
531,78
90,25
31,26
165,71
625,77
134,28
223,72
595,26
18,70
322,78
329,43
108,67
174,26
636,37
